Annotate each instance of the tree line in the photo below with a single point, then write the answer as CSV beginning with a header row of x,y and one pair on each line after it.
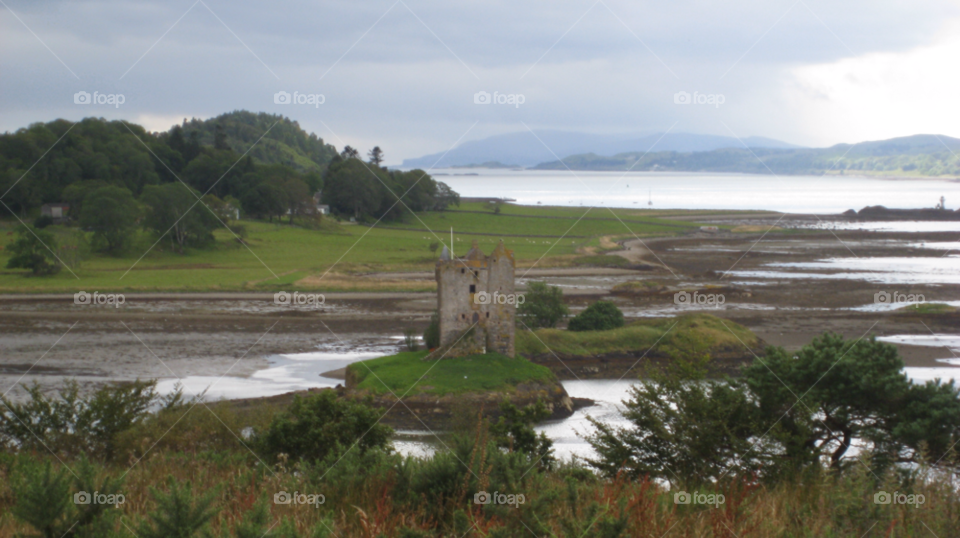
x,y
184,183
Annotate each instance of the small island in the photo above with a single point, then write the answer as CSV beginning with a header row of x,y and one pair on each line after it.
x,y
475,363
434,388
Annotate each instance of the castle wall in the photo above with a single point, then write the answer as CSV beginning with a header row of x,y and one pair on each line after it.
x,y
458,283
456,306
501,326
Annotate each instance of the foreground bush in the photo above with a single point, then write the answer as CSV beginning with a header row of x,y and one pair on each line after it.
x,y
316,425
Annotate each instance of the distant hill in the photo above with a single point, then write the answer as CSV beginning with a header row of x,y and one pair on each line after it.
x,y
918,155
286,143
527,149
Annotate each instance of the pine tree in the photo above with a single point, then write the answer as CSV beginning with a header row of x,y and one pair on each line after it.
x,y
43,498
179,513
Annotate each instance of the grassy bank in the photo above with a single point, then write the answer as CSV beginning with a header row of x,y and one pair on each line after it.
x,y
329,258
478,373
694,333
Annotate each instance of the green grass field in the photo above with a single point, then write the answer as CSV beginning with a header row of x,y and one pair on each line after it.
x,y
279,256
477,373
694,333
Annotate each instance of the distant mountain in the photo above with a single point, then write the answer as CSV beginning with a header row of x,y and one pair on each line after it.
x,y
527,149
285,143
920,155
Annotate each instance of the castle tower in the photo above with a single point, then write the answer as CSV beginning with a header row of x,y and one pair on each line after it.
x,y
472,294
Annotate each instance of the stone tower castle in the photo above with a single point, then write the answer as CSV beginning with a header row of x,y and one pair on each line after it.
x,y
473,292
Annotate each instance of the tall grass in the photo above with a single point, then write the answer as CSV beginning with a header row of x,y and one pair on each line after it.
x,y
381,494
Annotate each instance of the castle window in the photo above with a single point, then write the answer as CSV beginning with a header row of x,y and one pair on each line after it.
x,y
463,316
476,317
476,273
488,314
473,288
462,271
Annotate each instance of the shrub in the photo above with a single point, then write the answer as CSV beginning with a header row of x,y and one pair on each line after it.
x,y
431,336
600,316
314,426
42,222
514,431
33,250
73,424
542,307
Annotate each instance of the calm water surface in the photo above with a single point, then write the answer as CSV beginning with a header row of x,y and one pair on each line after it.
x,y
791,194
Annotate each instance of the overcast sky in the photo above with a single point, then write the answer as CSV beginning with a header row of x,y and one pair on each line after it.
x,y
403,74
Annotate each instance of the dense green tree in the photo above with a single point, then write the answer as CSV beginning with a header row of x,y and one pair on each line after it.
x,y
174,210
787,413
683,429
542,306
74,194
600,316
214,171
851,390
445,198
352,188
34,250
375,156
265,201
297,198
111,213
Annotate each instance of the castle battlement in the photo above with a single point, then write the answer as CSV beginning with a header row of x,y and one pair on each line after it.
x,y
465,288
